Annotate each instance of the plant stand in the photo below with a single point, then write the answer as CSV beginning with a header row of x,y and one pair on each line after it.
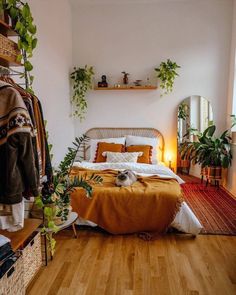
x,y
215,174
69,222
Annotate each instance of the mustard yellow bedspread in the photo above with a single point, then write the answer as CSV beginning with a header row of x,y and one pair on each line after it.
x,y
150,204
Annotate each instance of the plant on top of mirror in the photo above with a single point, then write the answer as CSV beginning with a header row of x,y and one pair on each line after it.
x,y
23,24
81,82
183,111
167,74
55,196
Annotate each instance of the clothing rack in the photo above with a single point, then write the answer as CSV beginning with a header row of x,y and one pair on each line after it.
x,y
4,71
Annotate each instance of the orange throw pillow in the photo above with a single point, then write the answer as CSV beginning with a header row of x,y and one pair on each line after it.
x,y
107,147
147,152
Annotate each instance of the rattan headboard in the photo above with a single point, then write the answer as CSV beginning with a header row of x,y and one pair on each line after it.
x,y
99,133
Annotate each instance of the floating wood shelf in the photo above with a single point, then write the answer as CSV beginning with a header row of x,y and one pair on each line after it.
x,y
6,30
9,62
129,87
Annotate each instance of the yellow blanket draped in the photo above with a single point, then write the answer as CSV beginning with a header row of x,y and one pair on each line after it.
x,y
150,204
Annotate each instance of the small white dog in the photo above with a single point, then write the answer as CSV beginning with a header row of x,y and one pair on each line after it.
x,y
125,178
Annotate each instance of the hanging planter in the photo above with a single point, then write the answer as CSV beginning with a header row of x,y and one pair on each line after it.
x,y
82,79
167,73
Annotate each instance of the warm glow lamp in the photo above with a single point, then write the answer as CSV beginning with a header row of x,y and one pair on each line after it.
x,y
169,158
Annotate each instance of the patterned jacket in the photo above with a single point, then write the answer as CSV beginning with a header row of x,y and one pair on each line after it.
x,y
18,162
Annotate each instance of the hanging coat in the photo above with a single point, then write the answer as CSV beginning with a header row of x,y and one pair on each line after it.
x,y
18,161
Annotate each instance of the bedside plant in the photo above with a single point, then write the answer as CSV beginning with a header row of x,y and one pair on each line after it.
x,y
212,153
167,74
23,24
55,196
82,82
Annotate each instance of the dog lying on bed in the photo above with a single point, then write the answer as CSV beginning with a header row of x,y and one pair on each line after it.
x,y
125,178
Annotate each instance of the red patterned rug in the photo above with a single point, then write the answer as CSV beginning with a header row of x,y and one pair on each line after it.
x,y
215,208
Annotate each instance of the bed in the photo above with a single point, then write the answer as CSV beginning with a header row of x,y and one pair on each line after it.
x,y
184,219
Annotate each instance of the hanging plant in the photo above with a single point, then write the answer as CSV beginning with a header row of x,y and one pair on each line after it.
x,y
82,82
167,74
23,24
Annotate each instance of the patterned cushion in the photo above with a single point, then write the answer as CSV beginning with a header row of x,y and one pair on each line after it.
x,y
122,157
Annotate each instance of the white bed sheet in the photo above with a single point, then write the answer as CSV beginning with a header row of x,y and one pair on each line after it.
x,y
185,220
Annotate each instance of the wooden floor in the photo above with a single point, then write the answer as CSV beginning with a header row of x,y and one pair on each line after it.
x,y
97,264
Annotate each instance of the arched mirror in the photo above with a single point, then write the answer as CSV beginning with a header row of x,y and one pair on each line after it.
x,y
194,115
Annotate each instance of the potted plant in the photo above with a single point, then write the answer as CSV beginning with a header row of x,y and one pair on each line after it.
x,y
167,72
82,82
23,24
55,196
212,153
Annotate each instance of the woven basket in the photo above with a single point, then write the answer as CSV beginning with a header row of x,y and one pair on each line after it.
x,y
214,173
8,48
32,259
12,282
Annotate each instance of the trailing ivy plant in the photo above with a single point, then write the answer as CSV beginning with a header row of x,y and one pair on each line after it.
x,y
167,74
23,24
82,81
55,196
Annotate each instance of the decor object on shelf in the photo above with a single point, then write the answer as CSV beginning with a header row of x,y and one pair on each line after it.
x,y
167,74
23,24
125,78
103,83
137,82
55,195
82,82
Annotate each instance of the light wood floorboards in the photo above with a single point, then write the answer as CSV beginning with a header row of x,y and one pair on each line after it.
x,y
100,264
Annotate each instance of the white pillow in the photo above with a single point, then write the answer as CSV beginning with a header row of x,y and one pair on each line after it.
x,y
113,157
140,140
94,143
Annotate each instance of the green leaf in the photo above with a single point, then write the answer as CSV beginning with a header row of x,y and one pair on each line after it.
x,y
19,58
48,211
39,202
32,29
34,43
13,12
28,66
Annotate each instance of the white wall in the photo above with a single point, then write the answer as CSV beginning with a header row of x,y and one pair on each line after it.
x,y
231,184
136,36
52,62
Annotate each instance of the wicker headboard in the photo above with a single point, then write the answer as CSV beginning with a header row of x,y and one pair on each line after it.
x,y
99,133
